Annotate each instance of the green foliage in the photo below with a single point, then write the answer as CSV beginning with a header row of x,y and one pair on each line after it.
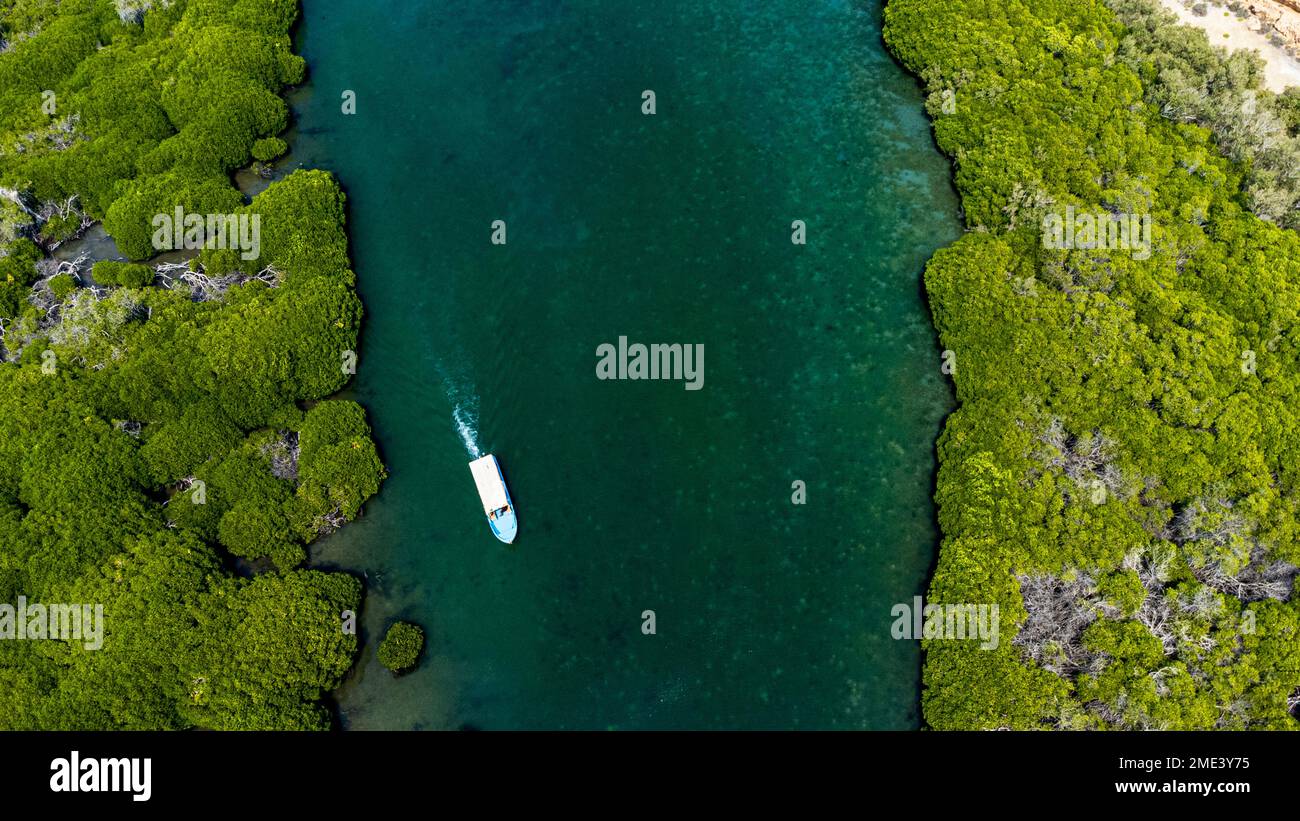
x,y
268,347
1122,476
122,274
60,227
302,226
278,648
14,222
178,447
132,219
1190,79
151,436
62,286
185,96
401,647
251,529
339,467
12,299
18,262
269,148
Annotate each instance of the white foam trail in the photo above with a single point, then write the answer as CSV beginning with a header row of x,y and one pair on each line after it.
x,y
465,417
464,404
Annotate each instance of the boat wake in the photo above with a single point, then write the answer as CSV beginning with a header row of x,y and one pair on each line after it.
x,y
464,408
465,417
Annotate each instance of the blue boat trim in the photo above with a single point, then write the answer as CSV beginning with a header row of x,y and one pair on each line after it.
x,y
502,520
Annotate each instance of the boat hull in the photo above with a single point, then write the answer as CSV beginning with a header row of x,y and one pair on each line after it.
x,y
494,494
505,525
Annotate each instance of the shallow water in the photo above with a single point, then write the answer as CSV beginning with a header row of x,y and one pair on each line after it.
x,y
820,364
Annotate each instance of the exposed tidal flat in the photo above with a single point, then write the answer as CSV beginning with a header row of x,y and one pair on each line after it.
x,y
822,364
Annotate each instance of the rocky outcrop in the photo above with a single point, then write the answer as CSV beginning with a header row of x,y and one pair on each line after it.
x,y
1280,20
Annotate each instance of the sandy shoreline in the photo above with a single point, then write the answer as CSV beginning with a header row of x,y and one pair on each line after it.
x,y
1270,29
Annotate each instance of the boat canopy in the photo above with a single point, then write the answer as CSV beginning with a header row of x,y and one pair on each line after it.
x,y
491,488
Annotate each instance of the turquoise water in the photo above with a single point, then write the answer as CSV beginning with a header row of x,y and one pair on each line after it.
x,y
820,364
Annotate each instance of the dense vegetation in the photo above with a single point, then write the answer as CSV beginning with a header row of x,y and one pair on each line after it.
x,y
1189,80
1122,476
400,649
168,447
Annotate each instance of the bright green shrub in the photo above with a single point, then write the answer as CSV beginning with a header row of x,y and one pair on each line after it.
x,y
401,647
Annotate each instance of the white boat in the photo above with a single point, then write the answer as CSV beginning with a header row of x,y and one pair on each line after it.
x,y
496,499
